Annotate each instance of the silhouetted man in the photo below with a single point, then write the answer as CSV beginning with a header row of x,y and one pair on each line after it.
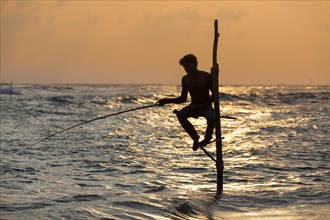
x,y
198,83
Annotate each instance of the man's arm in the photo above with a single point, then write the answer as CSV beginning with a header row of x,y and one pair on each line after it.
x,y
181,99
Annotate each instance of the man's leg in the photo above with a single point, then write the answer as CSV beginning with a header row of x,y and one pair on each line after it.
x,y
210,117
183,116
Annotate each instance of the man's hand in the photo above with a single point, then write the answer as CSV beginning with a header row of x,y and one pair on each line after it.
x,y
161,102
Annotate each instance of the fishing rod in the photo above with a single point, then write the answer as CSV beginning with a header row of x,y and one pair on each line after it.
x,y
91,120
85,122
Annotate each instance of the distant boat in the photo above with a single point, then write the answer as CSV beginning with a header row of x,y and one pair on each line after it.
x,y
10,91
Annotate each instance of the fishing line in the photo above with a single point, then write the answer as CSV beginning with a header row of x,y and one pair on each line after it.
x,y
85,122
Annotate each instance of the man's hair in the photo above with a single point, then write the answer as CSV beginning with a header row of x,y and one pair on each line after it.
x,y
190,58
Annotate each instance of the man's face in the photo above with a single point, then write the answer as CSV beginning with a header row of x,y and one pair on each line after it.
x,y
189,68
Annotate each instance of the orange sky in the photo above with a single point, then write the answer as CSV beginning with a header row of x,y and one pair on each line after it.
x,y
261,42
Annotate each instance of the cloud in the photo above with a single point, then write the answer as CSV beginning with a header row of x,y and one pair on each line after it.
x,y
231,15
175,17
20,13
60,4
170,23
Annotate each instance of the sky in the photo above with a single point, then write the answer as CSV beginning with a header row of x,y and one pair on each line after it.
x,y
141,42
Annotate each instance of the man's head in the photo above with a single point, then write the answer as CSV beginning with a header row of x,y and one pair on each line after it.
x,y
190,58
189,63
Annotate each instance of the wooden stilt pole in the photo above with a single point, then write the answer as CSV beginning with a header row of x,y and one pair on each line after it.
x,y
215,84
11,89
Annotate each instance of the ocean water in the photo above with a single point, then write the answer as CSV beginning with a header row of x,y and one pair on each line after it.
x,y
139,165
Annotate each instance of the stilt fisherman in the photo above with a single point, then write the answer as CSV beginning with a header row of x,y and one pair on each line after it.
x,y
199,85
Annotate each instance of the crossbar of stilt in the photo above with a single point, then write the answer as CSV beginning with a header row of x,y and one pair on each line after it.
x,y
208,154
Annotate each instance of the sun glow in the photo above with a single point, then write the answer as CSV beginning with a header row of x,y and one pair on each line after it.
x,y
141,42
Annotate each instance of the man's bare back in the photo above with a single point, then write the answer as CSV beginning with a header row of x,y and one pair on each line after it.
x,y
198,86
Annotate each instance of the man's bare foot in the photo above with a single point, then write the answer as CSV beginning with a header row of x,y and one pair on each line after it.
x,y
196,144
